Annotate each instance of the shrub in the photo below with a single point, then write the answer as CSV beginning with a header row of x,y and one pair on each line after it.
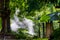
x,y
55,35
22,35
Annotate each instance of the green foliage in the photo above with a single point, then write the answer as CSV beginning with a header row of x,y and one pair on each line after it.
x,y
0,24
33,5
56,34
44,18
29,7
55,24
22,34
34,8
41,39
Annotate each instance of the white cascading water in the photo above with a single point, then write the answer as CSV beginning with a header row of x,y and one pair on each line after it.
x,y
16,24
29,23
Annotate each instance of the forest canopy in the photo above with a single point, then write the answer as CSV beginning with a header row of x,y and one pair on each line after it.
x,y
34,8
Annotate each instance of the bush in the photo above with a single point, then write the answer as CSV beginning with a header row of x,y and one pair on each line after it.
x,y
55,35
22,34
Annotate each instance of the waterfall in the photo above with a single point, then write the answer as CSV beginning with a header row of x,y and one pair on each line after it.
x,y
16,24
29,23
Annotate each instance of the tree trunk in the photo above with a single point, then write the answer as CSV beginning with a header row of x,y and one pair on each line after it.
x,y
59,23
49,29
8,25
5,14
43,30
4,26
39,29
